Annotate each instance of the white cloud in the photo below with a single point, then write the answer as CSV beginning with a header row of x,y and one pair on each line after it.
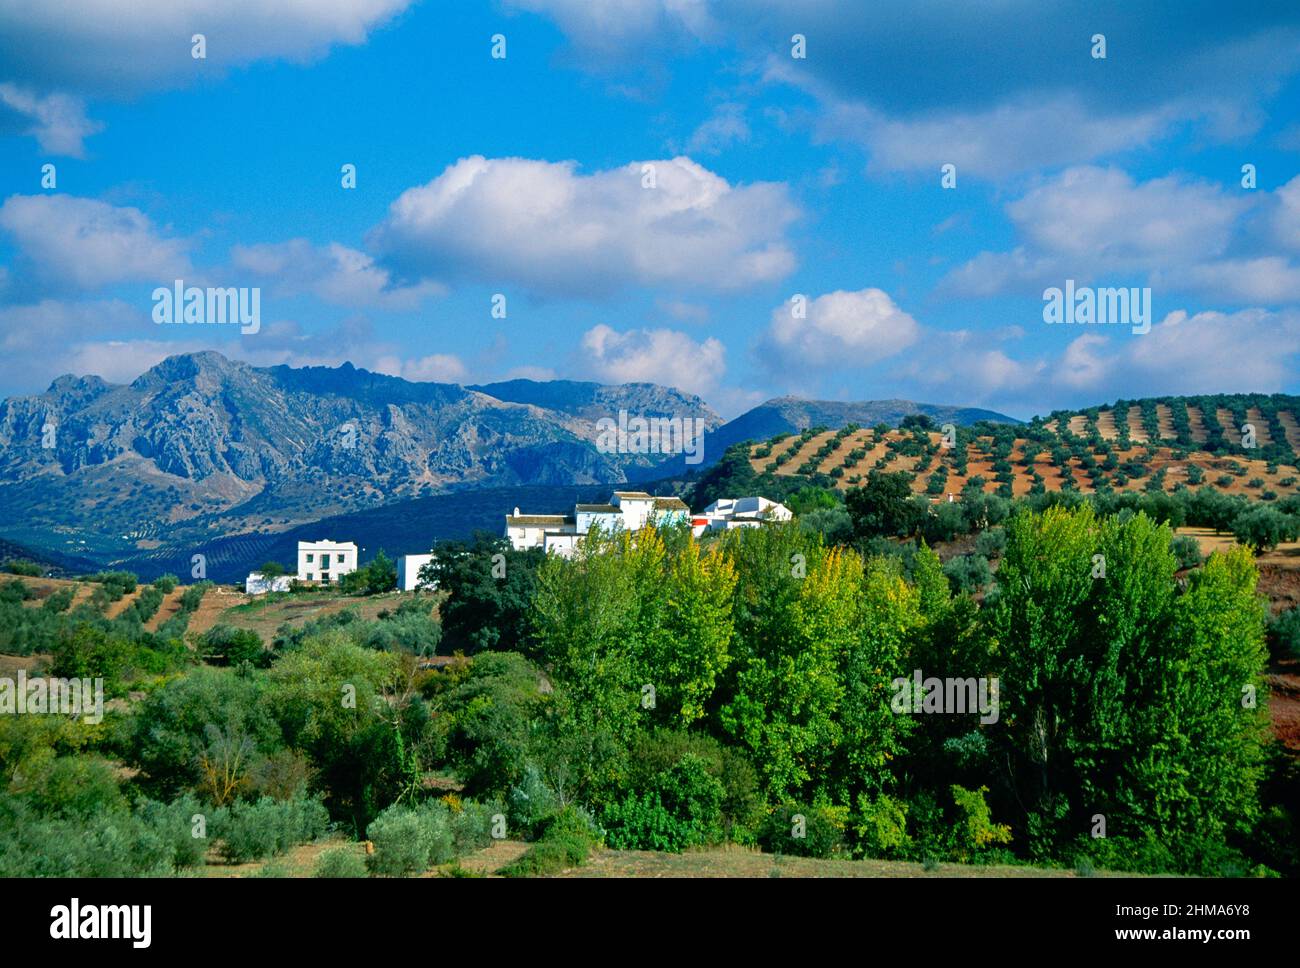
x,y
334,273
548,228
1103,216
59,121
1269,279
71,243
29,333
871,71
725,127
436,368
992,143
107,47
1286,216
1209,352
605,31
838,329
663,356
683,311
1184,236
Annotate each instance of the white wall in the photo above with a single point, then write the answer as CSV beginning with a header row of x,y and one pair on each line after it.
x,y
408,571
312,560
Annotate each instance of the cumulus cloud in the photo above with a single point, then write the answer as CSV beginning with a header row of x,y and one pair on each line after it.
x,y
334,273
548,228
69,243
870,68
435,368
838,329
30,332
1182,235
1286,216
104,47
662,356
1105,216
966,368
1209,352
57,121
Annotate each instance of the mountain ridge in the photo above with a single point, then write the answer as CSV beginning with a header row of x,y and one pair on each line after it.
x,y
201,444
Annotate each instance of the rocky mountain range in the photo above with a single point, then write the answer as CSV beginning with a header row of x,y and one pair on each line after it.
x,y
201,445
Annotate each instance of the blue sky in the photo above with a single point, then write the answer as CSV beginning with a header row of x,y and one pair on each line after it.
x,y
773,175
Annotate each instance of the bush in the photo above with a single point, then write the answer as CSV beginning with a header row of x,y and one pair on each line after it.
x,y
567,841
816,831
408,840
28,568
1187,550
1284,633
968,573
340,862
682,808
531,801
264,828
232,646
882,826
166,583
1263,528
471,825
991,543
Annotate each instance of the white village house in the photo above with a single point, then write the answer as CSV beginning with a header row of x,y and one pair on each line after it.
x,y
626,511
632,510
258,584
408,572
325,561
739,512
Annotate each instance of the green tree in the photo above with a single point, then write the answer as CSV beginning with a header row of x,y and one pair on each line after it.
x,y
883,506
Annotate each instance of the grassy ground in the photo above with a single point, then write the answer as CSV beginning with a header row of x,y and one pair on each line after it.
x,y
717,862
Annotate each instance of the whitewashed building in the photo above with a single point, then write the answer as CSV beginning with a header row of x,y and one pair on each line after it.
x,y
626,511
326,561
739,512
258,584
408,572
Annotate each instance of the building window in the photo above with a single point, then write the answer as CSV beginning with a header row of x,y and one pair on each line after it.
x,y
325,561
310,576
340,558
310,556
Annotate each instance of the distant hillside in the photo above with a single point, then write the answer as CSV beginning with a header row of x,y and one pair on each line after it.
x,y
1130,445
785,415
401,527
52,563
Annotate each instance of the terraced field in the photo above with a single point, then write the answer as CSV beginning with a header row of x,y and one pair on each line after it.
x,y
1129,446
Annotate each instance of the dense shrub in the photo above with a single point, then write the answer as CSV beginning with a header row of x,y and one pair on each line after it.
x,y
231,646
808,831
968,573
408,840
566,842
1187,550
254,830
1284,633
340,862
681,808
